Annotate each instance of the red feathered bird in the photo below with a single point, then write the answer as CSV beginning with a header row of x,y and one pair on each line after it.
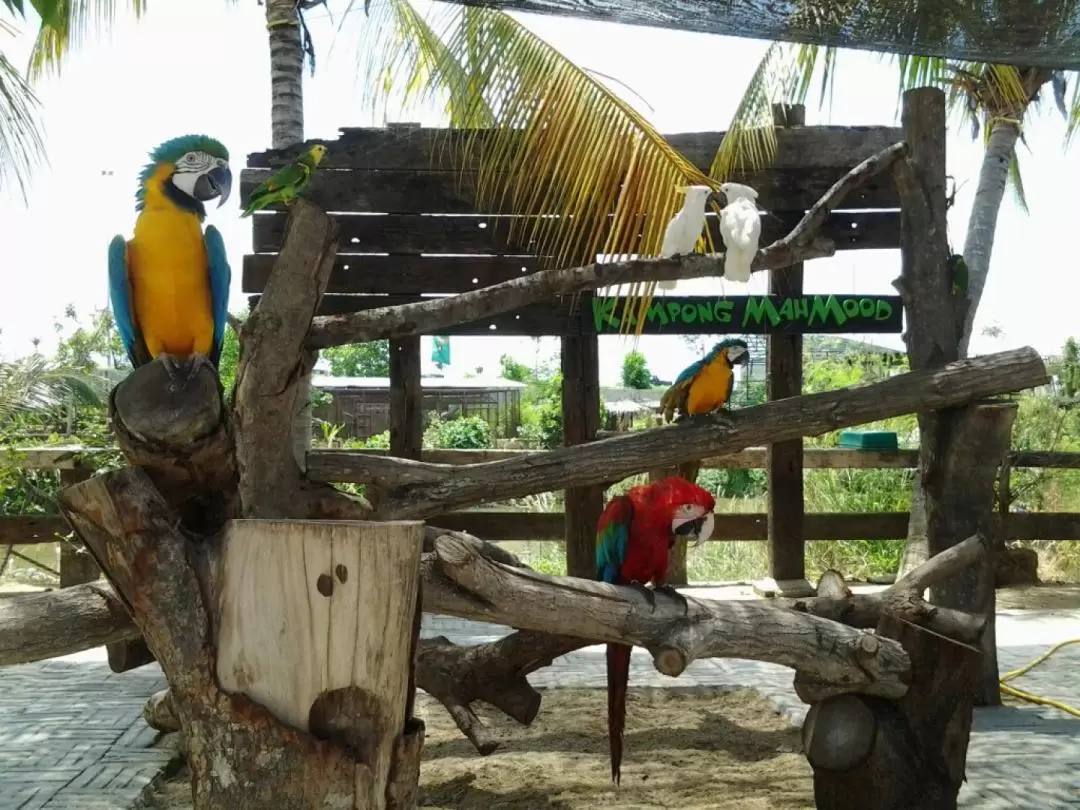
x,y
633,541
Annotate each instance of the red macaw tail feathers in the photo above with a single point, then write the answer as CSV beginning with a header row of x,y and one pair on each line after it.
x,y
618,676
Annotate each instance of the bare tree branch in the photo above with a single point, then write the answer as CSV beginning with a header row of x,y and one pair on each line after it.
x,y
425,317
416,489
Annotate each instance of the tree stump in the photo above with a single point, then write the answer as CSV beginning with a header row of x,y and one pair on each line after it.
x,y
285,644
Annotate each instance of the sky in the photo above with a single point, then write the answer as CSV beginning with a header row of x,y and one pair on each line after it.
x,y
203,66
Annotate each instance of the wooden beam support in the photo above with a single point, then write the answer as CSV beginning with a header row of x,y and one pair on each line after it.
x,y
77,565
580,358
787,546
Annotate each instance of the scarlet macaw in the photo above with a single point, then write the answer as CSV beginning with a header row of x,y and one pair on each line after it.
x,y
634,537
704,386
169,284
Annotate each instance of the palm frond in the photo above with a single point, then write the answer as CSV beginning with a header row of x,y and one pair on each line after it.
x,y
34,383
583,171
1016,183
22,143
783,74
1073,114
67,24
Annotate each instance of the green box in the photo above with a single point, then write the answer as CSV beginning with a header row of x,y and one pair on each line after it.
x,y
881,441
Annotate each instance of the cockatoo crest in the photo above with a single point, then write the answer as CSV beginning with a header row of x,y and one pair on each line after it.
x,y
685,227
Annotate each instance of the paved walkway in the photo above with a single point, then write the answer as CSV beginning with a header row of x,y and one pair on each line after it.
x,y
72,736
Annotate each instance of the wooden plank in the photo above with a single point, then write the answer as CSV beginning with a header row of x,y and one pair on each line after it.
x,y
403,275
28,530
58,457
670,315
426,148
414,234
580,360
753,526
452,192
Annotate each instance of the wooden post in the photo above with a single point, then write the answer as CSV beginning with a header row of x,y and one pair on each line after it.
x,y
581,420
406,399
787,544
77,565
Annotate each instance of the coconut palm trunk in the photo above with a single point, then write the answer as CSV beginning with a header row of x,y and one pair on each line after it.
x,y
286,73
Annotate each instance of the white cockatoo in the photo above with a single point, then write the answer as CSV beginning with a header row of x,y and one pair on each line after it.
x,y
685,228
740,228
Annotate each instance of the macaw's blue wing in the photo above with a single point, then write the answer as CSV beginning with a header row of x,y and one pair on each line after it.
x,y
612,538
220,279
120,298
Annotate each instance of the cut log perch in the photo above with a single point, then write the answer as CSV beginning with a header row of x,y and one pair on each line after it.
x,y
426,317
422,489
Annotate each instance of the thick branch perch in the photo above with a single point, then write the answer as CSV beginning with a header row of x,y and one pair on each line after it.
x,y
425,317
432,489
676,638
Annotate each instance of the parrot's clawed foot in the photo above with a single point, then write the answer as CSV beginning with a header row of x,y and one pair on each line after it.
x,y
176,370
646,592
673,592
723,418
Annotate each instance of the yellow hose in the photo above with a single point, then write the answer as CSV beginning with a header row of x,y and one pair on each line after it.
x,y
1038,699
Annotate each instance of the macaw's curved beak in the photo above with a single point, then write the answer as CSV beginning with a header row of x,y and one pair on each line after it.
x,y
695,530
738,355
215,183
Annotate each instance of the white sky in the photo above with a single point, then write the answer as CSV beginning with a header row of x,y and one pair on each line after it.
x,y
201,66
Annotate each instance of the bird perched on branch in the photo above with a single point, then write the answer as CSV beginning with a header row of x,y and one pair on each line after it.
x,y
740,228
703,387
286,183
169,284
684,230
634,537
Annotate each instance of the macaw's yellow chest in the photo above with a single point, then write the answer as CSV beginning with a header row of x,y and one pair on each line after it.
x,y
711,387
170,283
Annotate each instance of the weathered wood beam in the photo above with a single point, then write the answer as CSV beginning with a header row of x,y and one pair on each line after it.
x,y
432,490
489,253
393,148
803,243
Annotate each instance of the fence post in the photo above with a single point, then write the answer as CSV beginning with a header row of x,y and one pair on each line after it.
x,y
77,566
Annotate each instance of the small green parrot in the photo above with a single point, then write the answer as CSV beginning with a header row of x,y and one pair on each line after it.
x,y
287,182
959,269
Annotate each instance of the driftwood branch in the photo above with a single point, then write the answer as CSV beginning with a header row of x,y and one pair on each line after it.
x,y
801,245
416,489
904,598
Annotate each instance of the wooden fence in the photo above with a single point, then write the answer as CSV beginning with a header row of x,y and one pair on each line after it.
x,y
73,464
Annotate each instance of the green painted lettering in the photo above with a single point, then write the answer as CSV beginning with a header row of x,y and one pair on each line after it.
x,y
826,308
884,311
689,313
673,310
722,311
866,307
603,311
851,307
704,313
656,313
758,308
802,309
787,310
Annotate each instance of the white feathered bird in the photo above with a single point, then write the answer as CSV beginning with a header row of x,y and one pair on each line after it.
x,y
685,228
740,228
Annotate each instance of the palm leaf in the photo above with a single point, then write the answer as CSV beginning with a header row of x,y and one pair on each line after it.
x,y
22,144
583,170
33,383
66,24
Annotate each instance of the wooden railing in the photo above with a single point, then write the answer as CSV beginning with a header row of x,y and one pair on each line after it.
x,y
497,524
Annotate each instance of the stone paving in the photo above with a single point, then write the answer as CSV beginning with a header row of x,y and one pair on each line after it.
x,y
72,736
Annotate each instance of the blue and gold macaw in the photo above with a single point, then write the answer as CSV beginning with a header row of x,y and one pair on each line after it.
x,y
703,387
169,284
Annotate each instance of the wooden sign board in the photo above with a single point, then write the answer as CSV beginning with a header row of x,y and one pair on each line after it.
x,y
751,314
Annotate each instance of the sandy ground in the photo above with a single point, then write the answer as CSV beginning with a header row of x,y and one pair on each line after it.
x,y
685,748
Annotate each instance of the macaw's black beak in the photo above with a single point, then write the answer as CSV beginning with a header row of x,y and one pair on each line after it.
x,y
692,528
215,183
